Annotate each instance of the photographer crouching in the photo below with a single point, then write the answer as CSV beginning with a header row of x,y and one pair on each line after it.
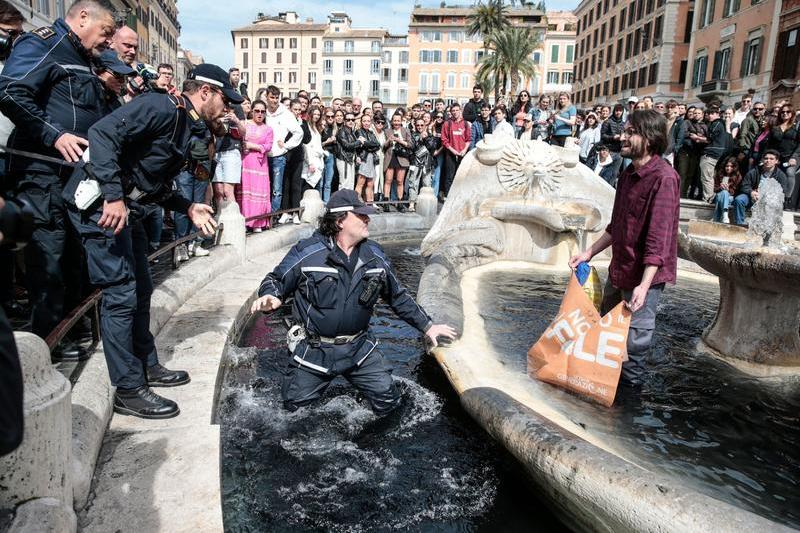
x,y
135,152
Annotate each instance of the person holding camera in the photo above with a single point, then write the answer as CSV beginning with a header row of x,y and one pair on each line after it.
x,y
50,92
336,277
135,153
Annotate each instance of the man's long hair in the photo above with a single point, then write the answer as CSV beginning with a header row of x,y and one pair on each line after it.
x,y
651,125
329,223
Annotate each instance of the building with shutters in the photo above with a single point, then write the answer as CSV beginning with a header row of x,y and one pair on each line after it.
x,y
394,72
637,47
443,56
732,50
556,59
351,59
280,50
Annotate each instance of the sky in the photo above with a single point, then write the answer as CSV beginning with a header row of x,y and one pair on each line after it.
x,y
206,25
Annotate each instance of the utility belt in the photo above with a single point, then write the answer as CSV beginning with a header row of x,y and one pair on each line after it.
x,y
298,333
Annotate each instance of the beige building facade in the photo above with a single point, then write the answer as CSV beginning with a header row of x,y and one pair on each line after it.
x,y
443,57
282,51
557,56
394,71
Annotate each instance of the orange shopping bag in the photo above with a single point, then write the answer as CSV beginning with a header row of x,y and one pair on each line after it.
x,y
581,351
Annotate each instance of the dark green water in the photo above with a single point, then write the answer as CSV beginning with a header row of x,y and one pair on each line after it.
x,y
328,468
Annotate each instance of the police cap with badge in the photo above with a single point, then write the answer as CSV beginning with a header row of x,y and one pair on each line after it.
x,y
218,78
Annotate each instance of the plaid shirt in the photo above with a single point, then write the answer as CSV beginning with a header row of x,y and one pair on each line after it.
x,y
644,224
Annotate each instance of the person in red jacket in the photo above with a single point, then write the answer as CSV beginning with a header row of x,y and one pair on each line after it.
x,y
455,140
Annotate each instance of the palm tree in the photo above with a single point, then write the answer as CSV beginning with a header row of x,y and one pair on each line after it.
x,y
486,19
512,58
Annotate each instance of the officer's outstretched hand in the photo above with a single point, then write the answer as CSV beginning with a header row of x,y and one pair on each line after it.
x,y
115,215
440,329
265,304
202,216
69,146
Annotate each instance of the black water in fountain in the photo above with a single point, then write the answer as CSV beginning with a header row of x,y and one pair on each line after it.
x,y
733,437
329,468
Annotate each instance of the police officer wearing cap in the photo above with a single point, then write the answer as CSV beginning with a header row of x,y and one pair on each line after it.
x,y
134,154
113,74
336,277
49,91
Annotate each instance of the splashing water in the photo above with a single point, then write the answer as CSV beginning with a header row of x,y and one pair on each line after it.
x,y
767,213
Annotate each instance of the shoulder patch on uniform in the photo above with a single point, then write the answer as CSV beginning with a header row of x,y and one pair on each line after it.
x,y
45,32
193,115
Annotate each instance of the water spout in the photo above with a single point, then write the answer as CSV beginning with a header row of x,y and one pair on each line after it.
x,y
767,218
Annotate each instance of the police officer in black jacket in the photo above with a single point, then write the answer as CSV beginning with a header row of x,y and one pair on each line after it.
x,y
336,277
134,154
49,91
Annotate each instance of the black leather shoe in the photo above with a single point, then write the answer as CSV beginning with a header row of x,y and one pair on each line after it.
x,y
401,208
158,376
69,351
144,403
14,309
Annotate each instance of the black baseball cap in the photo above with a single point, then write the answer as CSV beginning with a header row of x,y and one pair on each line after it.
x,y
345,200
216,77
112,63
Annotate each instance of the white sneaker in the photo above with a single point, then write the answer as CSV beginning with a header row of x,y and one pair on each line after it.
x,y
199,251
296,219
284,218
257,230
726,219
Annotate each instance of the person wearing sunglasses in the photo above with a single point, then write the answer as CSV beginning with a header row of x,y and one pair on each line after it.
x,y
328,136
785,139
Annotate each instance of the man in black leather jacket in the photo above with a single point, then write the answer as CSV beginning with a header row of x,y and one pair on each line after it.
x,y
336,277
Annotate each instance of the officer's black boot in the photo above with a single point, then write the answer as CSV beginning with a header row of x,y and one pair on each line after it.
x,y
69,351
144,403
159,376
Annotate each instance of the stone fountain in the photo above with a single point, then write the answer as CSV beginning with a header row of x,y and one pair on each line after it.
x,y
758,319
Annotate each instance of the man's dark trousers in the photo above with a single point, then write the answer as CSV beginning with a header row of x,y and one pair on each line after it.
x,y
118,265
53,257
451,164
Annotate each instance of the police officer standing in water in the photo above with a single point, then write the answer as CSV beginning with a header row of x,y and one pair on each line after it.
x,y
134,153
336,277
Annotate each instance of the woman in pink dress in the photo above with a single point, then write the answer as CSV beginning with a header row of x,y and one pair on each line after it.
x,y
253,194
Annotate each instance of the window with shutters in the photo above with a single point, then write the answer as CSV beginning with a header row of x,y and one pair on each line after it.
x,y
327,66
279,43
386,75
347,88
435,82
554,53
706,13
403,57
327,88
375,66
402,75
294,58
293,42
245,59
451,80
730,8
789,50
722,63
312,80
452,56
349,46
327,47
279,57
292,78
423,82
313,42
277,77
263,58
263,42
552,76
465,80
262,77
566,77
313,58
243,43
751,58
376,48
699,70
374,88
570,53
348,66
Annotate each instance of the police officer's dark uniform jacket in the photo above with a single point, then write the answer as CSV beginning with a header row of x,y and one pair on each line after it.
x,y
134,154
48,88
333,304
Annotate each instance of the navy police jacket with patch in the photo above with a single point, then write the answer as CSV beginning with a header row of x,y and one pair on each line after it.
x,y
326,298
143,144
48,88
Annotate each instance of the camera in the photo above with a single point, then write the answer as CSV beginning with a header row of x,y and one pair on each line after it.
x,y
148,76
16,223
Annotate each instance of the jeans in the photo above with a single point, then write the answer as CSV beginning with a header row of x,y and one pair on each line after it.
x,y
722,201
437,173
277,165
740,204
327,176
193,190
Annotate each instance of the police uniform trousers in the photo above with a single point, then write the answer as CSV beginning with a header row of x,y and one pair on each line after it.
x,y
360,362
640,332
53,258
118,265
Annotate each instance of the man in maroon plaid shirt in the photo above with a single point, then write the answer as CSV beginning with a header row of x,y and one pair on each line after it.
x,y
643,234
